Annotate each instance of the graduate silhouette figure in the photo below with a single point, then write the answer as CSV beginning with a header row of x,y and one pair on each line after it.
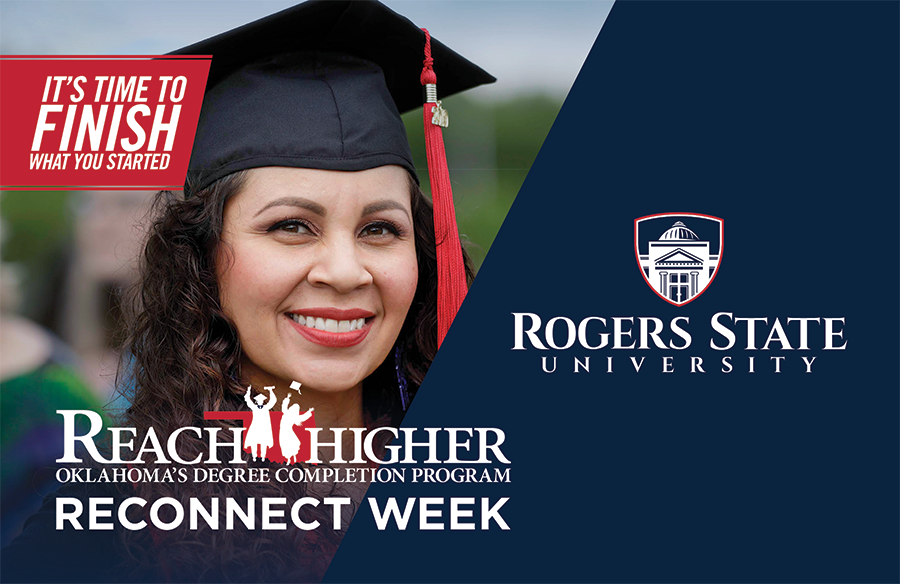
x,y
287,437
259,437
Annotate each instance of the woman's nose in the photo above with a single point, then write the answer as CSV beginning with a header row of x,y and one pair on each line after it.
x,y
340,266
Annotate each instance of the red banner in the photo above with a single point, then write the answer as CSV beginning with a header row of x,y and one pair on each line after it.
x,y
78,122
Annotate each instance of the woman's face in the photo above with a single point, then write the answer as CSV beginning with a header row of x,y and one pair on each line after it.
x,y
317,271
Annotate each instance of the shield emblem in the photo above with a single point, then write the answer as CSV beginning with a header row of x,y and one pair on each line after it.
x,y
678,253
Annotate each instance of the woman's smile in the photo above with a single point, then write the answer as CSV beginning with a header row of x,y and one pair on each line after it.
x,y
332,327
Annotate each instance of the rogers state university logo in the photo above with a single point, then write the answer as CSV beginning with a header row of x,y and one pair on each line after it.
x,y
678,253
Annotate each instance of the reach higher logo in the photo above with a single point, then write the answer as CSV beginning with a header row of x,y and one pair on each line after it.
x,y
448,455
679,255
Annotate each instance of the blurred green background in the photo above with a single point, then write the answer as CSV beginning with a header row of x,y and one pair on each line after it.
x,y
490,148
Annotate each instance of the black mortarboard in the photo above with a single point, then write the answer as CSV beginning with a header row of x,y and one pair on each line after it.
x,y
319,85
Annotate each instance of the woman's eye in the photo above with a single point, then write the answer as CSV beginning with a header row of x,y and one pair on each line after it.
x,y
380,229
292,226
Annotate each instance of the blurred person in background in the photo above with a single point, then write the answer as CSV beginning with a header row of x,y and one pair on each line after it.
x,y
38,375
107,236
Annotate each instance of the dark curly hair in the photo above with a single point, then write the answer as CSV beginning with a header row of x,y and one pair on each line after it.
x,y
182,356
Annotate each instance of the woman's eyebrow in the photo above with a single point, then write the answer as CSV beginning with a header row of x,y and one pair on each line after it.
x,y
295,202
384,206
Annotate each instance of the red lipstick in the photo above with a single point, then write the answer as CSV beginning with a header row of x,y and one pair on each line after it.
x,y
332,339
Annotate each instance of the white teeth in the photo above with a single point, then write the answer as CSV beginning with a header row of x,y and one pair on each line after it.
x,y
330,325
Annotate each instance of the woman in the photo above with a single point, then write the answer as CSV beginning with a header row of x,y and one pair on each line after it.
x,y
301,251
272,246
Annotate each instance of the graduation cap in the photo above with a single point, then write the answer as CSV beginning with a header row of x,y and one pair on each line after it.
x,y
322,85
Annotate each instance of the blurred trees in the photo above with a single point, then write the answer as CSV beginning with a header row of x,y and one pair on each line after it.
x,y
37,232
490,148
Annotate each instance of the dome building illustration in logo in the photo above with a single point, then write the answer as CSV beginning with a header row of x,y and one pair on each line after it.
x,y
678,253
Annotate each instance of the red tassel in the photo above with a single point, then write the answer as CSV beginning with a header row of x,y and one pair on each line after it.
x,y
452,285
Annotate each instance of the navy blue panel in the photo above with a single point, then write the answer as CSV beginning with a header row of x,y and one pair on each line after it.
x,y
782,119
